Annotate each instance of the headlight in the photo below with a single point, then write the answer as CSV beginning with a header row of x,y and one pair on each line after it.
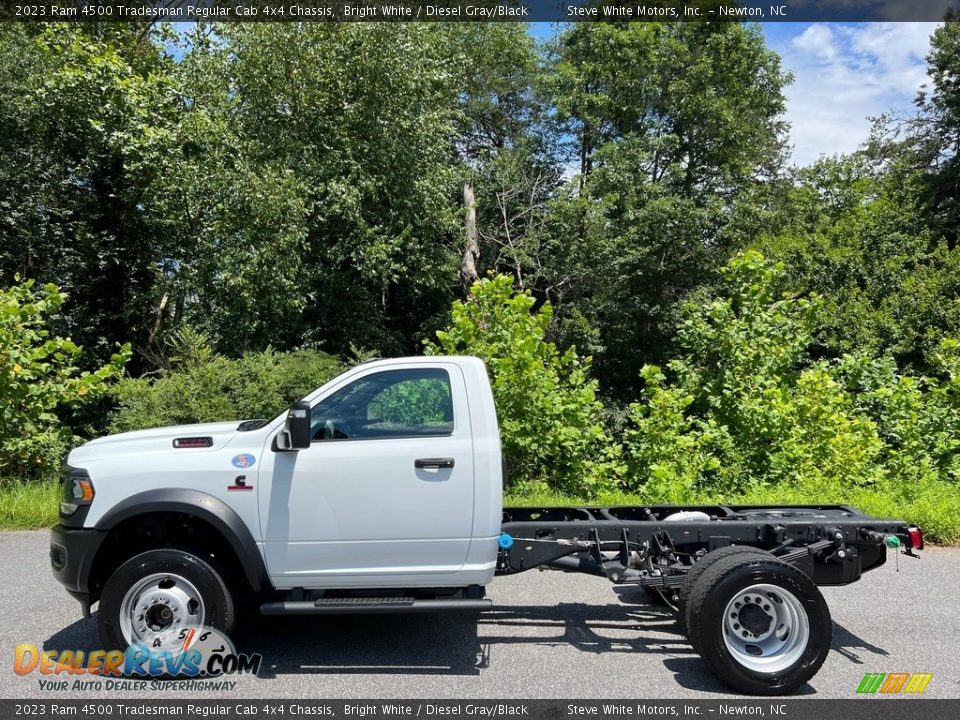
x,y
75,490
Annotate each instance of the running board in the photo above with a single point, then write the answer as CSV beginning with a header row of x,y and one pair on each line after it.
x,y
369,606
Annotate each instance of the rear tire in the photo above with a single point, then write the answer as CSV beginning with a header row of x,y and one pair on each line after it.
x,y
152,597
760,624
700,567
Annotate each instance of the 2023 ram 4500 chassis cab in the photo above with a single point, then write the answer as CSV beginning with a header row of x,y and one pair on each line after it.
x,y
381,492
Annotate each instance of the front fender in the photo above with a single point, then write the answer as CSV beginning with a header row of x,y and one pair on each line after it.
x,y
205,507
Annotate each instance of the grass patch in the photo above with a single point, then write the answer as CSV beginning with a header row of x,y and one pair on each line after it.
x,y
936,513
27,505
549,499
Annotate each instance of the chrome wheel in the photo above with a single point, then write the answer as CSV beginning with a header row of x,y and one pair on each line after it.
x,y
155,609
765,628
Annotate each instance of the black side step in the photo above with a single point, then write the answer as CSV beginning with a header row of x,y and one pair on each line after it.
x,y
376,605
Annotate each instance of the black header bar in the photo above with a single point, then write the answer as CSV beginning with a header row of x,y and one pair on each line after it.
x,y
475,10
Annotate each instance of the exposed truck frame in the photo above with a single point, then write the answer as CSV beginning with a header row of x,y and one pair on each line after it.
x,y
655,546
741,579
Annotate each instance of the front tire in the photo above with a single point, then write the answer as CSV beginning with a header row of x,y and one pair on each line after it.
x,y
154,597
760,624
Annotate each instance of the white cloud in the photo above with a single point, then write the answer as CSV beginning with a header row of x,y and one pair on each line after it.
x,y
817,41
845,73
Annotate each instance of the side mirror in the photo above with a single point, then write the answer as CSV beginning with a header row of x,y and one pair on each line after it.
x,y
296,430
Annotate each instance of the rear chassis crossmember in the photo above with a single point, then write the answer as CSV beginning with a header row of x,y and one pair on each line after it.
x,y
832,544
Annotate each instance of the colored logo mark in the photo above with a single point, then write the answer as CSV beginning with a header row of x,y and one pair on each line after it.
x,y
187,652
243,461
893,683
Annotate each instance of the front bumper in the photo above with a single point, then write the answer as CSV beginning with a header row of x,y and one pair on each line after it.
x,y
72,552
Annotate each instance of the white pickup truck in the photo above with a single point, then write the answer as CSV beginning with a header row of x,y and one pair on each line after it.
x,y
381,492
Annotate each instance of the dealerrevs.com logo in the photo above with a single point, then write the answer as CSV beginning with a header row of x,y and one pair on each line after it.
x,y
199,663
894,683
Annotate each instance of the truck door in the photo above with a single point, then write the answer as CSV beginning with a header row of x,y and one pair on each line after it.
x,y
384,494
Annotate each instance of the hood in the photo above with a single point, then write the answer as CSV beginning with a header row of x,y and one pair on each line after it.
x,y
155,440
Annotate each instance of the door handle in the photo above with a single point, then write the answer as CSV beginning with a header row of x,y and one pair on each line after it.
x,y
436,463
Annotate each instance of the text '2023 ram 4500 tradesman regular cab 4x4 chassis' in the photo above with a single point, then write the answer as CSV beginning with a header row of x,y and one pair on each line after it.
x,y
381,492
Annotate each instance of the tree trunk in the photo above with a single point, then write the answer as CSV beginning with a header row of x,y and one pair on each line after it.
x,y
586,154
471,253
159,319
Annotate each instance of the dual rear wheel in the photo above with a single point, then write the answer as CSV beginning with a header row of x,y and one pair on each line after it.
x,y
760,624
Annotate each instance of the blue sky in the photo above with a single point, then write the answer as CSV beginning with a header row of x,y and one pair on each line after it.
x,y
844,73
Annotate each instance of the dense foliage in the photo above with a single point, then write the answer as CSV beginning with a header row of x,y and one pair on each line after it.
x,y
669,165
203,386
746,413
550,418
39,377
246,204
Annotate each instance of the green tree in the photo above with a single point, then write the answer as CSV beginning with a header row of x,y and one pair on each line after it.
x,y
86,114
746,408
852,233
874,233
508,148
204,386
39,379
550,419
746,415
674,126
933,136
322,195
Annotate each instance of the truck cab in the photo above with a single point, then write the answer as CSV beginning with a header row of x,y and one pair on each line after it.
x,y
399,485
387,478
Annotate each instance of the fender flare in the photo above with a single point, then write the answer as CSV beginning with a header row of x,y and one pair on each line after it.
x,y
205,507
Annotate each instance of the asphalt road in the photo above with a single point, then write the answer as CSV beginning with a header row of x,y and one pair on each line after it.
x,y
551,635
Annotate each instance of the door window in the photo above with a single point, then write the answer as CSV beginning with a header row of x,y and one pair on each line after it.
x,y
389,404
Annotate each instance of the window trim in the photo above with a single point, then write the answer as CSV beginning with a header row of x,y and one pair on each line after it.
x,y
381,371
